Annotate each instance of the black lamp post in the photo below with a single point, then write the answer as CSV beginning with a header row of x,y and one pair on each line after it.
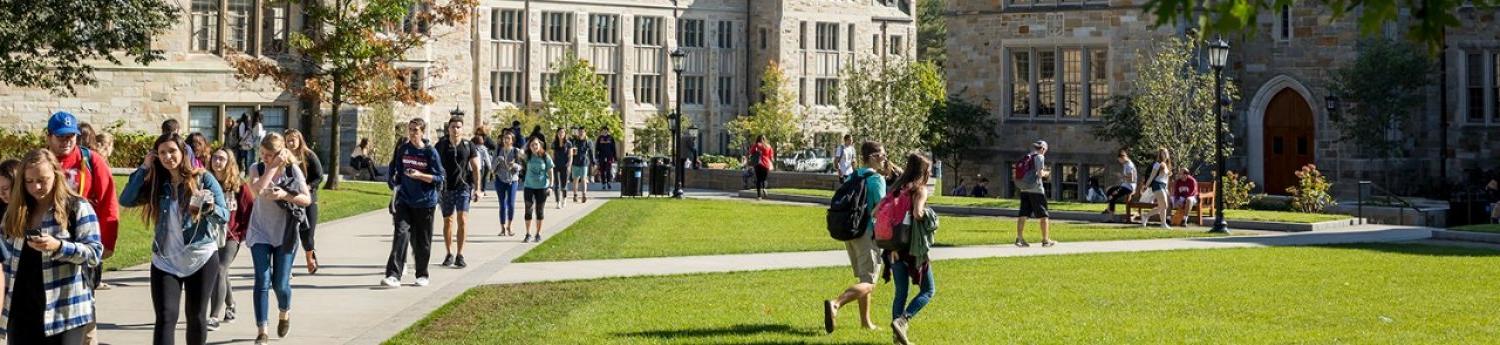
x,y
1218,56
677,56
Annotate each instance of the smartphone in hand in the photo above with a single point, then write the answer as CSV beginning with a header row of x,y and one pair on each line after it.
x,y
33,234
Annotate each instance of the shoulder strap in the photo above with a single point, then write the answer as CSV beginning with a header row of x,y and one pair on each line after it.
x,y
72,211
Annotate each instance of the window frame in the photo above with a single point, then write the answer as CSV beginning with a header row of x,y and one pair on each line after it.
x,y
826,91
203,36
507,24
898,45
604,28
1091,93
725,34
690,33
726,90
557,27
647,88
692,90
827,37
648,30
505,87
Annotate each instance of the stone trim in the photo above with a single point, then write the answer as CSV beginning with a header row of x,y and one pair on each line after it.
x,y
1257,121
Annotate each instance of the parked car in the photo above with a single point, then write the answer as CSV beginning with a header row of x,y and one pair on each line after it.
x,y
810,160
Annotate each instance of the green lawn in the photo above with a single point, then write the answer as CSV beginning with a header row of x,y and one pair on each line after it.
x,y
1251,215
632,228
1490,228
134,244
1358,294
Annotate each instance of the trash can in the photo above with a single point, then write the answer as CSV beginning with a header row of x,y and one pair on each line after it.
x,y
660,166
631,170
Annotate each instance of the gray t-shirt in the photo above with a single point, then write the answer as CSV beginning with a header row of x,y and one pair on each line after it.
x,y
267,219
1128,175
1032,182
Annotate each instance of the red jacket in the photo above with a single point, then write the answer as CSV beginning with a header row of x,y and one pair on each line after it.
x,y
766,154
98,187
240,220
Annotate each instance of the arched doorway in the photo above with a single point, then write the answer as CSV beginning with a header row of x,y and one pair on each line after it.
x,y
1289,141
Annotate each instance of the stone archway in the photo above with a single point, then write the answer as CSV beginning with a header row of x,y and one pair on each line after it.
x,y
1257,143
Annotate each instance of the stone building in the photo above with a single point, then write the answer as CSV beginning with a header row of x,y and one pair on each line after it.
x,y
503,57
1044,69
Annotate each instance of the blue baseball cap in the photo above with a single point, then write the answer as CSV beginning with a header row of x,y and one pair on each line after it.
x,y
62,123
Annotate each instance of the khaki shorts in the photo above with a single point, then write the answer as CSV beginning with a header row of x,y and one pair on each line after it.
x,y
864,257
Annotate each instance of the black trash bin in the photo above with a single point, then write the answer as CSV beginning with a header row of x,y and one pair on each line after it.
x,y
631,170
660,166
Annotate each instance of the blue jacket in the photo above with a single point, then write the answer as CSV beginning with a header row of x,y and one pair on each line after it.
x,y
194,234
416,193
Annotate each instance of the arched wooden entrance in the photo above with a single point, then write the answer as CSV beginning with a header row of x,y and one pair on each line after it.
x,y
1289,140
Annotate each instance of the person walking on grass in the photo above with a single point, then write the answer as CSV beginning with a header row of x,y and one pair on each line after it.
x,y
1161,171
538,169
761,156
507,175
239,201
185,206
583,157
460,187
312,170
864,256
275,220
562,157
1127,176
416,172
1034,194
912,266
50,236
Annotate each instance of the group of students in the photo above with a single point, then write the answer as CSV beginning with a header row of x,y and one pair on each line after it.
x,y
1166,189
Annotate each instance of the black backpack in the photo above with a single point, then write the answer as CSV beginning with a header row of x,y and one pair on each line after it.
x,y
846,212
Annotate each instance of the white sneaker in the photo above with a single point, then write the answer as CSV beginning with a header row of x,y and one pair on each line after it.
x,y
422,281
390,282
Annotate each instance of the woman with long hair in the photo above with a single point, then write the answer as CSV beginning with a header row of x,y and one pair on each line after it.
x,y
761,156
911,266
9,169
538,171
280,193
184,205
51,234
1161,172
312,170
363,159
197,147
562,154
226,169
507,162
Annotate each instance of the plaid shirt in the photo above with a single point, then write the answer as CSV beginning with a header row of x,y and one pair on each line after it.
x,y
70,302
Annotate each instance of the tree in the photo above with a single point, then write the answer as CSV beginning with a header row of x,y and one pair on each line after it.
x,y
656,137
889,102
50,43
348,55
1430,17
1385,85
772,116
1172,107
580,98
955,129
932,32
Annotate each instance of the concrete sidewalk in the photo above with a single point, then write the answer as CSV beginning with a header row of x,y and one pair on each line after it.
x,y
343,303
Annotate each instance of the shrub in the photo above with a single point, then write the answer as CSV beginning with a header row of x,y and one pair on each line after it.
x,y
1236,191
130,146
14,144
730,162
1311,192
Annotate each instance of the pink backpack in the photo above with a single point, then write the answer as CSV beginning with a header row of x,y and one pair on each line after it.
x,y
892,221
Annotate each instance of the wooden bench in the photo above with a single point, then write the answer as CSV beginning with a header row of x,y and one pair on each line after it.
x,y
1206,194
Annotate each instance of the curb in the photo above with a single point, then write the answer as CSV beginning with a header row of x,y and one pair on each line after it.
x,y
1466,236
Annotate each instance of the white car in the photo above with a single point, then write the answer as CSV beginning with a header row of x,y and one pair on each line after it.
x,y
812,160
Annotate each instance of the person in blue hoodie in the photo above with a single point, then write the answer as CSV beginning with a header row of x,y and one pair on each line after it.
x,y
416,173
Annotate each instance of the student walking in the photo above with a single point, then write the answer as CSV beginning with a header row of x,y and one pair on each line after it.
x,y
507,173
275,220
911,266
843,157
604,147
538,169
198,148
583,157
486,163
51,238
239,201
184,206
416,172
460,187
312,170
87,174
250,136
562,157
1033,171
864,256
1127,176
1157,182
761,156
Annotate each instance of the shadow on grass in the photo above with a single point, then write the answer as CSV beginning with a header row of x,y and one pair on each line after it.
x,y
740,330
1425,249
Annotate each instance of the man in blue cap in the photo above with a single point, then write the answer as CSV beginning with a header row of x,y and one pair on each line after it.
x,y
88,174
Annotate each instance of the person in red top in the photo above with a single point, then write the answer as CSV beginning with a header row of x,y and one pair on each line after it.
x,y
1184,192
88,173
761,156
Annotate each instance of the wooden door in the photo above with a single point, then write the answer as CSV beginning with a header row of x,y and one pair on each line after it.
x,y
1289,140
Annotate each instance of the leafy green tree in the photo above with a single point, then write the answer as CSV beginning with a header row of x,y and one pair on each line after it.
x,y
772,117
956,129
580,98
50,43
932,31
890,103
1171,107
656,137
1430,17
1385,84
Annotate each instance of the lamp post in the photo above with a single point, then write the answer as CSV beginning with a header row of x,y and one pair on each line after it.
x,y
677,56
1218,56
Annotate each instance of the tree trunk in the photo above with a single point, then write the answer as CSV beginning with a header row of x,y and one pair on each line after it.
x,y
335,159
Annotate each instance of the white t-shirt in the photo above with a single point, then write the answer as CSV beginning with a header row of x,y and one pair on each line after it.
x,y
845,157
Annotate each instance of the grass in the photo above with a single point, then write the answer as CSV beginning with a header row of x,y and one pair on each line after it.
x,y
633,228
133,247
1490,228
1250,215
1356,294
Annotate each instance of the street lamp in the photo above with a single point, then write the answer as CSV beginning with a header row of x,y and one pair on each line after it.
x,y
677,57
1218,56
1334,104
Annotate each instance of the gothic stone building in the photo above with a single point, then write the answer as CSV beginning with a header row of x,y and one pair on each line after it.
x,y
1045,67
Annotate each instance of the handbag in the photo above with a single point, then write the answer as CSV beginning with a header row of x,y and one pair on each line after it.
x,y
1148,197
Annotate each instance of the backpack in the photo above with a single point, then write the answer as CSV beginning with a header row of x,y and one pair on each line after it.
x,y
846,212
755,158
1020,168
893,221
90,278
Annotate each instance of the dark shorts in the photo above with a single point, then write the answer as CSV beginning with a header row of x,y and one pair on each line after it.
x,y
1033,205
456,200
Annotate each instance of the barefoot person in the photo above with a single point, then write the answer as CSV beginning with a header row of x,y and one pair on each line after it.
x,y
1034,194
864,256
415,174
460,187
50,235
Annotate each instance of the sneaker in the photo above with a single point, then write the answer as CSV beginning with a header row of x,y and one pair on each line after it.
x,y
1022,243
229,315
390,282
527,239
898,328
538,238
262,339
448,260
459,261
1049,243
104,286
212,325
1166,226
422,281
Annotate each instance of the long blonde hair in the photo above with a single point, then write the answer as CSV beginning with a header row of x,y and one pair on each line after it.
x,y
1165,158
276,143
18,214
229,177
301,151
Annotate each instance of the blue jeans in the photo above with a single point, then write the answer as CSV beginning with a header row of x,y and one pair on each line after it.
x,y
273,270
899,307
507,194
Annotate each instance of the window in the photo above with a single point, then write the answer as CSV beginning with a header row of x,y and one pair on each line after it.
x,y
802,91
692,90
726,90
1284,23
828,36
417,24
507,25
647,88
1495,66
1020,91
802,35
414,78
274,28
1476,86
549,80
557,27
611,86
205,19
604,29
1046,82
204,120
1035,88
272,118
1072,73
851,38
648,31
690,33
1098,80
764,37
238,24
898,44
875,44
827,91
505,87
726,34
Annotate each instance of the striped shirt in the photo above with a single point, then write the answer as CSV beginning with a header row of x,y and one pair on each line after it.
x,y
72,302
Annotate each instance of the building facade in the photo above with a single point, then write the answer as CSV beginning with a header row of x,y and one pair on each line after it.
x,y
1045,68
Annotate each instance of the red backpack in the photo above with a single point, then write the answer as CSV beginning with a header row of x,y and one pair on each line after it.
x,y
1018,171
893,221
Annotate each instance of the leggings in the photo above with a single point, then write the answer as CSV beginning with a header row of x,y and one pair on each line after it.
x,y
900,307
1117,195
223,293
507,194
536,198
75,336
413,225
560,177
312,223
166,298
273,272
761,173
